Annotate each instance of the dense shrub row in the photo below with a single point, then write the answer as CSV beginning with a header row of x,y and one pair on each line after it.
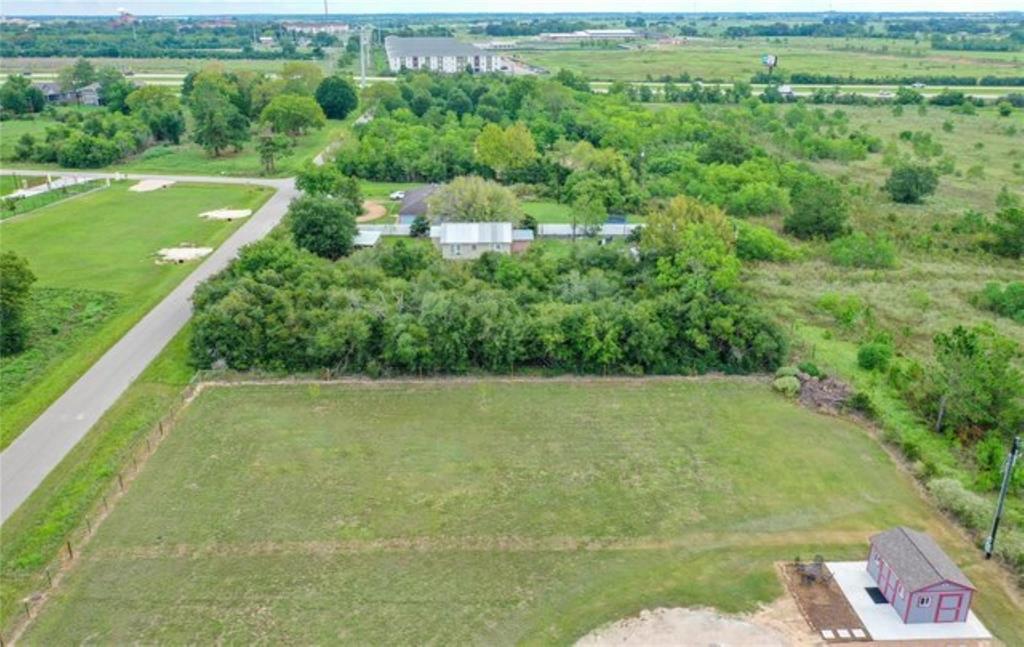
x,y
401,309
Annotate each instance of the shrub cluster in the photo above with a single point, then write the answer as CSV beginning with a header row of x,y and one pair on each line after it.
x,y
400,309
1007,301
861,250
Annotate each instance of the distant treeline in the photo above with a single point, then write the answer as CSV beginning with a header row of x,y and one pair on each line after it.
x,y
1011,43
835,79
150,39
530,27
826,28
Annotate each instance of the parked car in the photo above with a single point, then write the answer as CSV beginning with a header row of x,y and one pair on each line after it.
x,y
918,85
397,195
885,94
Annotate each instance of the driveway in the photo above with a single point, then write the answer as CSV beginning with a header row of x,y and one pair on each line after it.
x,y
33,454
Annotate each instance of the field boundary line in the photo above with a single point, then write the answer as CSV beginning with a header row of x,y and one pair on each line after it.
x,y
70,553
483,543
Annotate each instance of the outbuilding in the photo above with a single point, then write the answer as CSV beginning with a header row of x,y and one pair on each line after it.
x,y
918,579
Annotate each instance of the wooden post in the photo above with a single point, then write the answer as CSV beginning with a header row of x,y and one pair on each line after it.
x,y
71,553
28,610
120,482
88,525
49,577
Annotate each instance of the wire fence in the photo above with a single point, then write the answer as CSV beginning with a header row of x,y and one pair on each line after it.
x,y
133,458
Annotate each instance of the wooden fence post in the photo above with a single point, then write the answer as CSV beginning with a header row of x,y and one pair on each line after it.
x,y
71,553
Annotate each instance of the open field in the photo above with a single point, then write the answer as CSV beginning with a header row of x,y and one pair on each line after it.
x,y
94,257
177,66
738,60
514,512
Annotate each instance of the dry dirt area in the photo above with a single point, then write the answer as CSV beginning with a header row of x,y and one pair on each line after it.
x,y
821,603
145,186
226,214
776,625
372,210
182,254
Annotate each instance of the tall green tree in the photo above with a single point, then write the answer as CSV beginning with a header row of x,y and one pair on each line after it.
x,y
820,209
159,107
219,124
474,199
337,96
324,226
19,96
16,281
293,114
910,183
507,149
77,76
327,180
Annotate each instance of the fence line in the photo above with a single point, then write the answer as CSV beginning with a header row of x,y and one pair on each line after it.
x,y
72,545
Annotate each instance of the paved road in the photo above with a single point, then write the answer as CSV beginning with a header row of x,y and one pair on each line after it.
x,y
33,454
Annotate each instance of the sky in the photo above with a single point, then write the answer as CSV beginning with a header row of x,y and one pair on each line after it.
x,y
195,7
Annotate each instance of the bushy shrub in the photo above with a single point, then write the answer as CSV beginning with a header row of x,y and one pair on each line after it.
x,y
1007,300
874,356
862,250
846,308
787,371
972,510
820,209
756,243
787,385
810,368
911,183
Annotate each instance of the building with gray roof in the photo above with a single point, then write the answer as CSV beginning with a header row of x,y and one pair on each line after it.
x,y
917,578
445,55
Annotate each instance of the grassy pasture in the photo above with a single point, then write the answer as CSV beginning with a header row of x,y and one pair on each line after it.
x,y
94,258
738,60
486,511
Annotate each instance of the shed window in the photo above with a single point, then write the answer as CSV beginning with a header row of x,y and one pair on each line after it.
x,y
924,601
900,591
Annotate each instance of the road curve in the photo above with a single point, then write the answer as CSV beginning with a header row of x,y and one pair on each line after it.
x,y
33,454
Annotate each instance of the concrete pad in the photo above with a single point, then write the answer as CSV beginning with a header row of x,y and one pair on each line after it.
x,y
182,254
145,186
882,621
226,214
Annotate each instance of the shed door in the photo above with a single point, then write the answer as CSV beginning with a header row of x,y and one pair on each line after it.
x,y
948,609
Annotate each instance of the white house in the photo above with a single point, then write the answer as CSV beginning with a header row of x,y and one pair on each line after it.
x,y
469,240
445,55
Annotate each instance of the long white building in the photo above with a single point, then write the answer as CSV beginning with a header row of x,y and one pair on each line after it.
x,y
445,55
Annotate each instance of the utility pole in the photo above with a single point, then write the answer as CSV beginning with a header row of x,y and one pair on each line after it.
x,y
990,542
365,39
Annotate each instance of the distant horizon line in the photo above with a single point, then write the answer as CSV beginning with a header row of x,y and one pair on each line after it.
x,y
528,13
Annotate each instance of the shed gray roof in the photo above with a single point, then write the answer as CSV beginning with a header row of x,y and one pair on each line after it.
x,y
415,201
402,47
917,559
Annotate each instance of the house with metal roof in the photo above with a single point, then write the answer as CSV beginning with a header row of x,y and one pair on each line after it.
x,y
446,55
917,578
469,240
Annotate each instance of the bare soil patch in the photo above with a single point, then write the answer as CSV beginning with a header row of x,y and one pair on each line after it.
x,y
776,625
372,210
145,186
821,603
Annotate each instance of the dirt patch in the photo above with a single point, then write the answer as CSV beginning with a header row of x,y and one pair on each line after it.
x,y
821,602
182,254
777,625
824,394
226,214
372,210
145,186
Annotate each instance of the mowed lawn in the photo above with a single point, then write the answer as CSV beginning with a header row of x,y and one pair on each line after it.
x,y
95,260
491,512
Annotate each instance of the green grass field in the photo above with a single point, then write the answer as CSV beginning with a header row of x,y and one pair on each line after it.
x,y
94,257
738,60
12,129
489,511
